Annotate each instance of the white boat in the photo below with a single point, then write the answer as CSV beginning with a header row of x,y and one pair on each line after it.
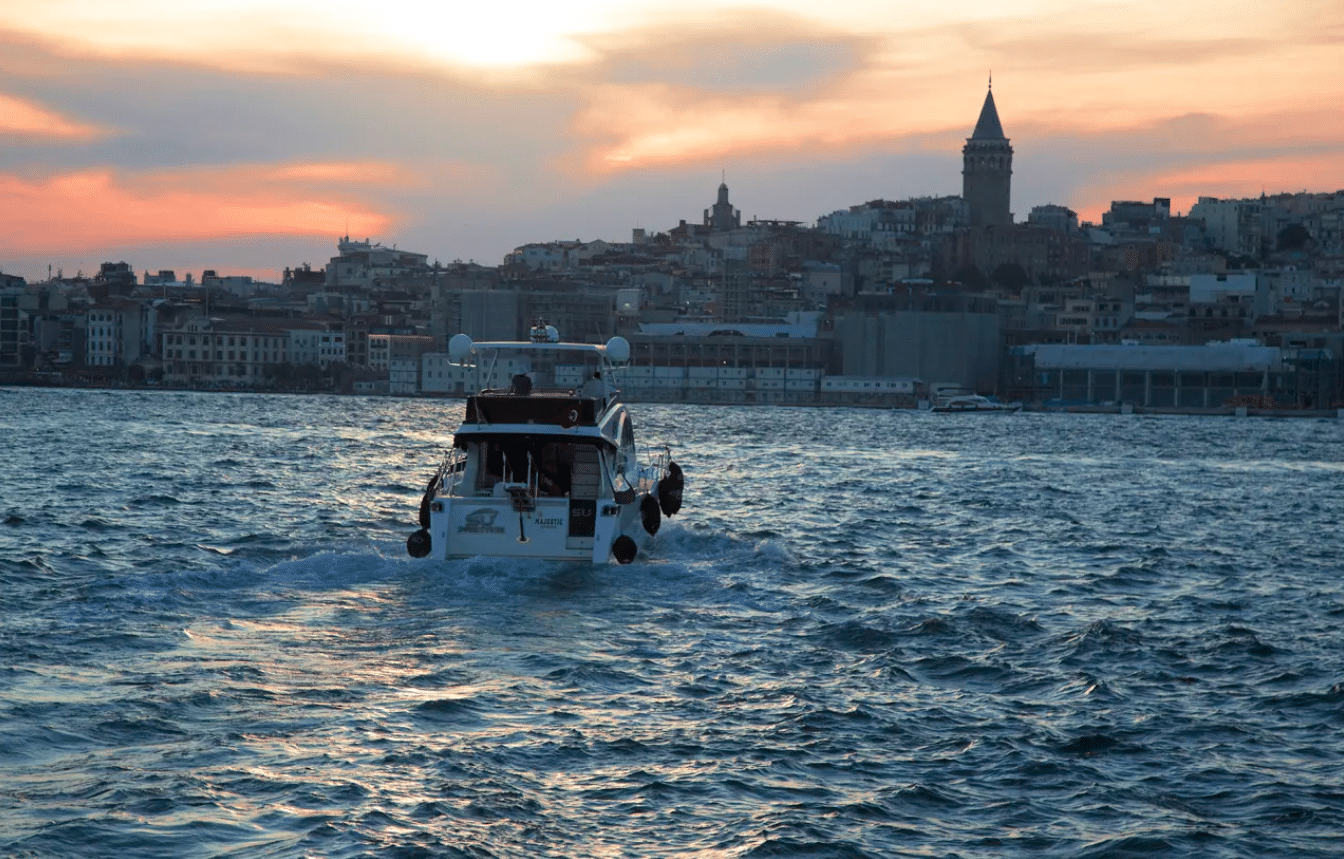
x,y
544,464
958,403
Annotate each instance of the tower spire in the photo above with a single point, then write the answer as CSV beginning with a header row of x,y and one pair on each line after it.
x,y
987,167
988,127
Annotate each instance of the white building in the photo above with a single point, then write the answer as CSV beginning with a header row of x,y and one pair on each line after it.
x,y
223,351
546,256
819,281
317,343
119,332
361,263
1212,288
1235,226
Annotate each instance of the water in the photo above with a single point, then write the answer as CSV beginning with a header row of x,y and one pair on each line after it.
x,y
869,634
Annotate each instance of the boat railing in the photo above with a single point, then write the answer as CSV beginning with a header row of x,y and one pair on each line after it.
x,y
549,391
621,490
521,493
658,457
451,471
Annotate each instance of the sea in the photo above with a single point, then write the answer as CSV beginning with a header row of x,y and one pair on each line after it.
x,y
868,633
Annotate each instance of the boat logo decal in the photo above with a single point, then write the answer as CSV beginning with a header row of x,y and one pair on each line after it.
x,y
480,521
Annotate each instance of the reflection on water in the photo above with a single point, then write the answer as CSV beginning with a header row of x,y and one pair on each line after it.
x,y
869,634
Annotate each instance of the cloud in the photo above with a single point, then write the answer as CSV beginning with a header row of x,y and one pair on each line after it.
x,y
99,209
1181,157
1132,91
587,118
25,119
728,51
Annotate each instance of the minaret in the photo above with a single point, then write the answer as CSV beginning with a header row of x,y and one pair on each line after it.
x,y
987,169
722,215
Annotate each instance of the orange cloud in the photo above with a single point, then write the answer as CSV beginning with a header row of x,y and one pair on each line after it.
x,y
98,209
654,125
1102,73
294,179
29,120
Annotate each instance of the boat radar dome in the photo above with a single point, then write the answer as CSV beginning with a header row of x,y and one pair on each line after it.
x,y
543,333
618,350
459,348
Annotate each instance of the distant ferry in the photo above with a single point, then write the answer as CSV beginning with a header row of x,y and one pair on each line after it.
x,y
960,403
541,469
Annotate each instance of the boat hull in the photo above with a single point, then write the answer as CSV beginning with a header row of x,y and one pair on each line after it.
x,y
974,410
556,529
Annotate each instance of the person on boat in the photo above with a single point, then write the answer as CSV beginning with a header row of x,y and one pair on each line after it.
x,y
521,385
593,389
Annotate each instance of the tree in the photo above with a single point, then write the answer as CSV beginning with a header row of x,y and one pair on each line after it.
x,y
1011,276
1293,237
970,276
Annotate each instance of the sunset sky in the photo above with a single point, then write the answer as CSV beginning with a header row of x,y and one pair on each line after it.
x,y
247,135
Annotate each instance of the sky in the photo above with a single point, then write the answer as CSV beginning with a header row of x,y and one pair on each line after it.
x,y
246,136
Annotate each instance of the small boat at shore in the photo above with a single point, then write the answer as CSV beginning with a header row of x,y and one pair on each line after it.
x,y
544,464
973,403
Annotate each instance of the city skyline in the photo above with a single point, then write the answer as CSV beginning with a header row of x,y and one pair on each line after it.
x,y
246,136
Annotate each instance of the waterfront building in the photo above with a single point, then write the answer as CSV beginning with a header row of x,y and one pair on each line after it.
x,y
950,338
399,356
779,362
1213,377
873,391
119,331
441,376
14,306
316,342
224,351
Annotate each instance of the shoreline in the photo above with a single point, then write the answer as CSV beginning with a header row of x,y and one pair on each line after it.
x,y
29,381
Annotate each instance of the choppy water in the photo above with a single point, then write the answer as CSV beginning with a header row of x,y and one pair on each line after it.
x,y
870,634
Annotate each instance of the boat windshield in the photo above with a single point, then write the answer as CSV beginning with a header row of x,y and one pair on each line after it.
x,y
527,369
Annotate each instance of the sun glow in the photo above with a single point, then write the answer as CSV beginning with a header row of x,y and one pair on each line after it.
x,y
266,33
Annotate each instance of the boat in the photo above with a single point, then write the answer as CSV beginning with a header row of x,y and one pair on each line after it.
x,y
959,403
544,464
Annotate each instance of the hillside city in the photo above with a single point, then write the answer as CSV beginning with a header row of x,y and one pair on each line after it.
x,y
1235,304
